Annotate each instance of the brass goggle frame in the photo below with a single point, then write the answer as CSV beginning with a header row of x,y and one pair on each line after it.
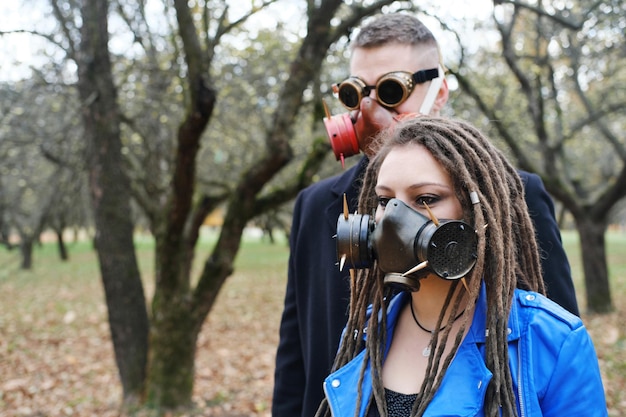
x,y
392,89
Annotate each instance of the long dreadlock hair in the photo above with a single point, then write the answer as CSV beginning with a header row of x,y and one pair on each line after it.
x,y
508,257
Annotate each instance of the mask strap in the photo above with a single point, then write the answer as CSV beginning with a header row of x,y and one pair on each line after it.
x,y
432,92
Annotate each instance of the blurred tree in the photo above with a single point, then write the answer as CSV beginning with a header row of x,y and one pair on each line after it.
x,y
173,99
178,310
87,46
41,165
553,91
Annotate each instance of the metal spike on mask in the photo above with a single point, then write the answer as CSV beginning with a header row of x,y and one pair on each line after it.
x,y
326,110
416,268
432,216
346,216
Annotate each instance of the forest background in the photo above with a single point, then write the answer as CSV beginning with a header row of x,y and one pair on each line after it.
x,y
168,118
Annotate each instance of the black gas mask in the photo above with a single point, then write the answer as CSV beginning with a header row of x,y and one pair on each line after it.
x,y
407,245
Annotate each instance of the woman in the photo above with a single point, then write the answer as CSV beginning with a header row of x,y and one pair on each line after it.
x,y
489,344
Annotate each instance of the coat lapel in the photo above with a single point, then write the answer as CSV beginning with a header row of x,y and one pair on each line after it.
x,y
349,183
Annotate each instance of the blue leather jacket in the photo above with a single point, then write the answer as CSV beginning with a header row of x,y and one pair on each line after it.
x,y
553,364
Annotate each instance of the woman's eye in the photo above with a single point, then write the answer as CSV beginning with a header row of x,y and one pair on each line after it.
x,y
424,200
382,201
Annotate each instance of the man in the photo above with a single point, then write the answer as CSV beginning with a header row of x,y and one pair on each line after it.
x,y
317,295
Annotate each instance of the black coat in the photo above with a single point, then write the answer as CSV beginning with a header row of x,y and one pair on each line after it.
x,y
316,301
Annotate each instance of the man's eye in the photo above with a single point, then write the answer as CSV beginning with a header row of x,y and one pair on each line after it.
x,y
382,201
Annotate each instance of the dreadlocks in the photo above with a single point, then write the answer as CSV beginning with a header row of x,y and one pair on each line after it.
x,y
508,257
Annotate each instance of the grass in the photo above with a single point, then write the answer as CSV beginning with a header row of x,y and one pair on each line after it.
x,y
56,357
607,331
616,258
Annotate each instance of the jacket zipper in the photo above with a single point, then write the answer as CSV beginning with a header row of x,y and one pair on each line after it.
x,y
520,391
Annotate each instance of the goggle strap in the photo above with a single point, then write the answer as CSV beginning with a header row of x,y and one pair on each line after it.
x,y
425,75
433,90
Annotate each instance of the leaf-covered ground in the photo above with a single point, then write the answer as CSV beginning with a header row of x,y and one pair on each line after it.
x,y
56,357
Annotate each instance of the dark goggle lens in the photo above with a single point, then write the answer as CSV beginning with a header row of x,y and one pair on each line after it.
x,y
349,95
390,92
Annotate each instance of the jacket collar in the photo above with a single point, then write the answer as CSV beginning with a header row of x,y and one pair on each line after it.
x,y
467,376
478,330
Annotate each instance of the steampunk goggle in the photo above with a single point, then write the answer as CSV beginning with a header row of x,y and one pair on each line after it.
x,y
392,89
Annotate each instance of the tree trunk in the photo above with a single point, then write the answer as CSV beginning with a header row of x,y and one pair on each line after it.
x,y
26,249
173,333
593,255
173,349
61,245
110,191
